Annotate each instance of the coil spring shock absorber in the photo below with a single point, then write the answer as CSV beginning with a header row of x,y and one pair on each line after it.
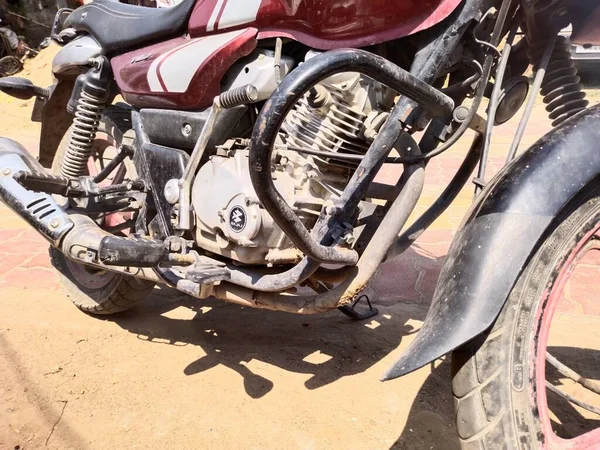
x,y
561,89
88,104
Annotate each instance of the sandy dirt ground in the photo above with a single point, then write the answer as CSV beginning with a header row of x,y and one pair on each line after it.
x,y
181,373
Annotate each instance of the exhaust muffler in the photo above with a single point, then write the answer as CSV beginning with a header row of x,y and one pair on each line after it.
x,y
75,235
38,209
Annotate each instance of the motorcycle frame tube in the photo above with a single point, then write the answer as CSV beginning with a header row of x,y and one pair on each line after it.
x,y
280,103
460,179
321,303
358,276
501,232
307,266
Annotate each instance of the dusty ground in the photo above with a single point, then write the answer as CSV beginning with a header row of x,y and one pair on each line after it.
x,y
181,373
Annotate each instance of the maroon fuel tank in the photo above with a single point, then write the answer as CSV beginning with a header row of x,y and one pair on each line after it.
x,y
185,72
322,24
181,73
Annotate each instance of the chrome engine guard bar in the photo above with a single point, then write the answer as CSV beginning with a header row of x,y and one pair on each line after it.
x,y
274,112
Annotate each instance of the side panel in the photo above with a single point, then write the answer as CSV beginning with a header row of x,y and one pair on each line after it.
x,y
499,235
76,54
323,24
181,73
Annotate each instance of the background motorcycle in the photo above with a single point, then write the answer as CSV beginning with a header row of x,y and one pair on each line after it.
x,y
243,166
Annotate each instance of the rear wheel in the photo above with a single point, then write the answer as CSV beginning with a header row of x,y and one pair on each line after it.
x,y
506,394
10,65
92,290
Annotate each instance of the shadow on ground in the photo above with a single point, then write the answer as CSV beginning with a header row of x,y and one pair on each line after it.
x,y
232,336
431,416
568,422
328,347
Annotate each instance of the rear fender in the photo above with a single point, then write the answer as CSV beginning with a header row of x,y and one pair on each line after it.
x,y
500,233
55,120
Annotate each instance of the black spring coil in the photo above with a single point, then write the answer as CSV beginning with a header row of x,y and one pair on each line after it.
x,y
562,92
83,133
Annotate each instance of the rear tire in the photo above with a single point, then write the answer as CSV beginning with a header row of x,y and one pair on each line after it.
x,y
496,377
91,290
10,65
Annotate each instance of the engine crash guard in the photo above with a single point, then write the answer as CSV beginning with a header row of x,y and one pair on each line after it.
x,y
501,232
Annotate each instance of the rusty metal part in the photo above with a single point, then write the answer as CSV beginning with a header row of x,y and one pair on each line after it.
x,y
358,276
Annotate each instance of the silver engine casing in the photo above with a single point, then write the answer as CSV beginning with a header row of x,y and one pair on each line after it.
x,y
230,221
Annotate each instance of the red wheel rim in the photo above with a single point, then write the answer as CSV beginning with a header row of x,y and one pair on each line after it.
x,y
103,144
87,276
544,316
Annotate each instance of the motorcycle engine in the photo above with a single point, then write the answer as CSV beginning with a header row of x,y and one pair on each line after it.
x,y
341,114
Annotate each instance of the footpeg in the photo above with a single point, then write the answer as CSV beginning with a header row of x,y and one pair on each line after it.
x,y
122,251
74,188
39,182
22,88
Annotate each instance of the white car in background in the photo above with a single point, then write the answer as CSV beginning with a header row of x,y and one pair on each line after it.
x,y
585,56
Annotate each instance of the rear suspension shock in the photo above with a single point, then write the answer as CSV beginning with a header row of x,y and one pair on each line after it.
x,y
562,92
89,101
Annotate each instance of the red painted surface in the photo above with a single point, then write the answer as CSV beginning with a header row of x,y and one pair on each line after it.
x,y
544,316
132,70
323,24
329,24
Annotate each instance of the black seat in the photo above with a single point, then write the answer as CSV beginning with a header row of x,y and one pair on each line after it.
x,y
119,26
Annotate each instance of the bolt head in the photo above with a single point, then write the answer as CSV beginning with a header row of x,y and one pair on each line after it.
x,y
187,129
55,223
331,210
6,171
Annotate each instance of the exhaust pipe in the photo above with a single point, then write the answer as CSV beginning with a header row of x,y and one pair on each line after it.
x,y
75,235
38,209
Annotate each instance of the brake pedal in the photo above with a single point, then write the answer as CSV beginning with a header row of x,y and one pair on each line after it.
x,y
208,271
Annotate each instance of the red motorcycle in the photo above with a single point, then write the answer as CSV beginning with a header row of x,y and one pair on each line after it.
x,y
242,166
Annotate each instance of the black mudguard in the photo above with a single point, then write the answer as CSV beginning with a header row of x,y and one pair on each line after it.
x,y
55,121
500,233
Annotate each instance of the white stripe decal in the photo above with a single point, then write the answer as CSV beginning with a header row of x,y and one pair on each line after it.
x,y
213,18
237,12
152,76
181,65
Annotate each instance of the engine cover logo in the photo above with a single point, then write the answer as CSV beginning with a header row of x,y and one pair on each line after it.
x,y
237,219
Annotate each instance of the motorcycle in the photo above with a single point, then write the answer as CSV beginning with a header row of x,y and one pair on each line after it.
x,y
241,164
